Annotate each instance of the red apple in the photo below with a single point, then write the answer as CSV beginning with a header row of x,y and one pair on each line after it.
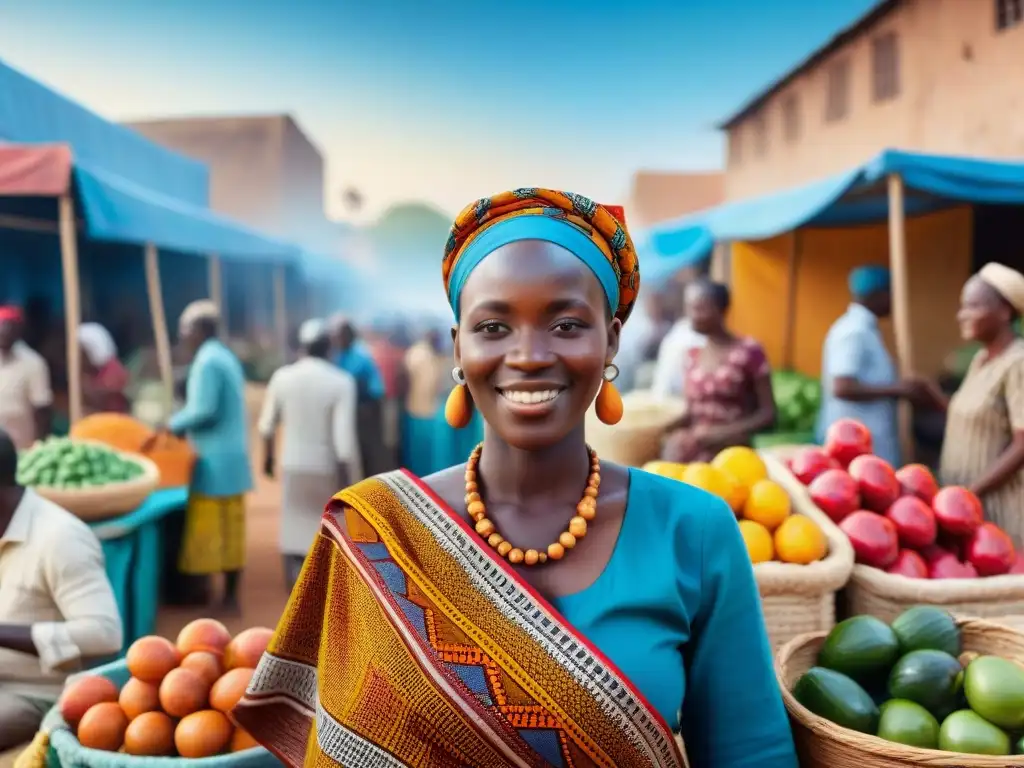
x,y
847,439
873,537
914,521
990,550
877,481
957,510
835,493
917,480
910,564
808,463
933,552
948,567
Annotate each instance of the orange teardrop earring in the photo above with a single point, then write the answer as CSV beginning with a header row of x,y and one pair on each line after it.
x,y
609,402
458,408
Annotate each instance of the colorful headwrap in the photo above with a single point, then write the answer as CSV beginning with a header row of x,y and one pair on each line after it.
x,y
869,279
595,234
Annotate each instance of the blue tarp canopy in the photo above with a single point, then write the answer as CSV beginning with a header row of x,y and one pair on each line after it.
x,y
118,210
854,197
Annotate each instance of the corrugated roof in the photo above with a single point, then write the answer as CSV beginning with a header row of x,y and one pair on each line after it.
x,y
853,31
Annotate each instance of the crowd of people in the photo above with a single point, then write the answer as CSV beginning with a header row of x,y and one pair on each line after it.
x,y
643,577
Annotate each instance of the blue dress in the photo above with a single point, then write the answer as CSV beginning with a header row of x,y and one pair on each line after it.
x,y
678,611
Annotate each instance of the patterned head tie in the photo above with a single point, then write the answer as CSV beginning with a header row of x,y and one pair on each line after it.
x,y
595,234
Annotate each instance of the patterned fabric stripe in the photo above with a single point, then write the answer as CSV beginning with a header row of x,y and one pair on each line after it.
x,y
508,616
619,701
422,654
276,676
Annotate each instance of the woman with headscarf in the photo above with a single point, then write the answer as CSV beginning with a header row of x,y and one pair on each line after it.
x,y
727,382
104,379
534,606
984,442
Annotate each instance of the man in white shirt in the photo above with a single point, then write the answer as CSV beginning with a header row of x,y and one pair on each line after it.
x,y
668,371
57,608
26,399
315,401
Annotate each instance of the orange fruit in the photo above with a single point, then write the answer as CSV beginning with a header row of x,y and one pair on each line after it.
x,y
708,478
758,540
767,504
735,494
742,463
799,540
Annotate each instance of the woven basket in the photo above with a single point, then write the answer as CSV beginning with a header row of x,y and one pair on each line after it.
x,y
822,744
636,439
105,502
797,599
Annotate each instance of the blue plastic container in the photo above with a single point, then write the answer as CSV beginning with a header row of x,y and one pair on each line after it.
x,y
66,752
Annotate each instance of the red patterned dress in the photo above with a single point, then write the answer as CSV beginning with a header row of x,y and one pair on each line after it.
x,y
726,393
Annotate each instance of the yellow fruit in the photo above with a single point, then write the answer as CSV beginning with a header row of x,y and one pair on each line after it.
x,y
665,468
767,504
735,494
799,540
710,479
758,541
742,463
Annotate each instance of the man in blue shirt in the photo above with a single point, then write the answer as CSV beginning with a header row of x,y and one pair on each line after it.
x,y
859,379
352,356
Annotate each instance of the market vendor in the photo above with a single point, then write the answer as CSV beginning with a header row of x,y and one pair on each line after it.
x,y
727,383
104,378
57,608
215,421
26,397
983,447
858,377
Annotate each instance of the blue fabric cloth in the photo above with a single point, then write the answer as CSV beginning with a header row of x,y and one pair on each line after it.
x,y
869,279
216,421
132,548
854,348
453,446
678,611
360,365
534,227
418,445
945,181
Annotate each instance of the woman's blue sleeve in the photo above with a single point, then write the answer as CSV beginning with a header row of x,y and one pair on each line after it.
x,y
733,715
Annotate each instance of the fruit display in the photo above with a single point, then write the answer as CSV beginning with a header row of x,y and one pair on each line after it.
x,y
797,401
173,456
64,463
765,510
910,682
176,702
901,521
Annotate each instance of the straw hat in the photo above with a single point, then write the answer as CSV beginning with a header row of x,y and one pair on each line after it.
x,y
1008,282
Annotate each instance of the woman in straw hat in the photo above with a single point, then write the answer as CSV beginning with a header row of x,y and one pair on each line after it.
x,y
984,445
535,606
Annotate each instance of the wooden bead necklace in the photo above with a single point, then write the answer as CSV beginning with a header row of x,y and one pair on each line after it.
x,y
586,511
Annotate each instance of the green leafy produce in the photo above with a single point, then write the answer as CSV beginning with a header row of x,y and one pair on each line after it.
x,y
797,401
59,462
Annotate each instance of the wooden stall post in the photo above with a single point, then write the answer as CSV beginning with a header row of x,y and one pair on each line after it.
x,y
72,302
789,339
215,284
901,304
160,335
281,311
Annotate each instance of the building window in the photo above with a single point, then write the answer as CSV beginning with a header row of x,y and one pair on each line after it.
x,y
760,126
837,99
1009,13
735,146
791,118
885,67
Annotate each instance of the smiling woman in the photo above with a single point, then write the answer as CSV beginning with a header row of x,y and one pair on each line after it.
x,y
535,606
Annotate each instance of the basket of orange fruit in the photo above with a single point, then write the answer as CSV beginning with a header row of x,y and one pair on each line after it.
x,y
800,557
166,701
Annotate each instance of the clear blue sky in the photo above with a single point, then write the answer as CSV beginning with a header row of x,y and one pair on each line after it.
x,y
409,101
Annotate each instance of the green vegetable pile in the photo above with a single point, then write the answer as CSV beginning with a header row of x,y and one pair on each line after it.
x,y
911,683
797,400
59,462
